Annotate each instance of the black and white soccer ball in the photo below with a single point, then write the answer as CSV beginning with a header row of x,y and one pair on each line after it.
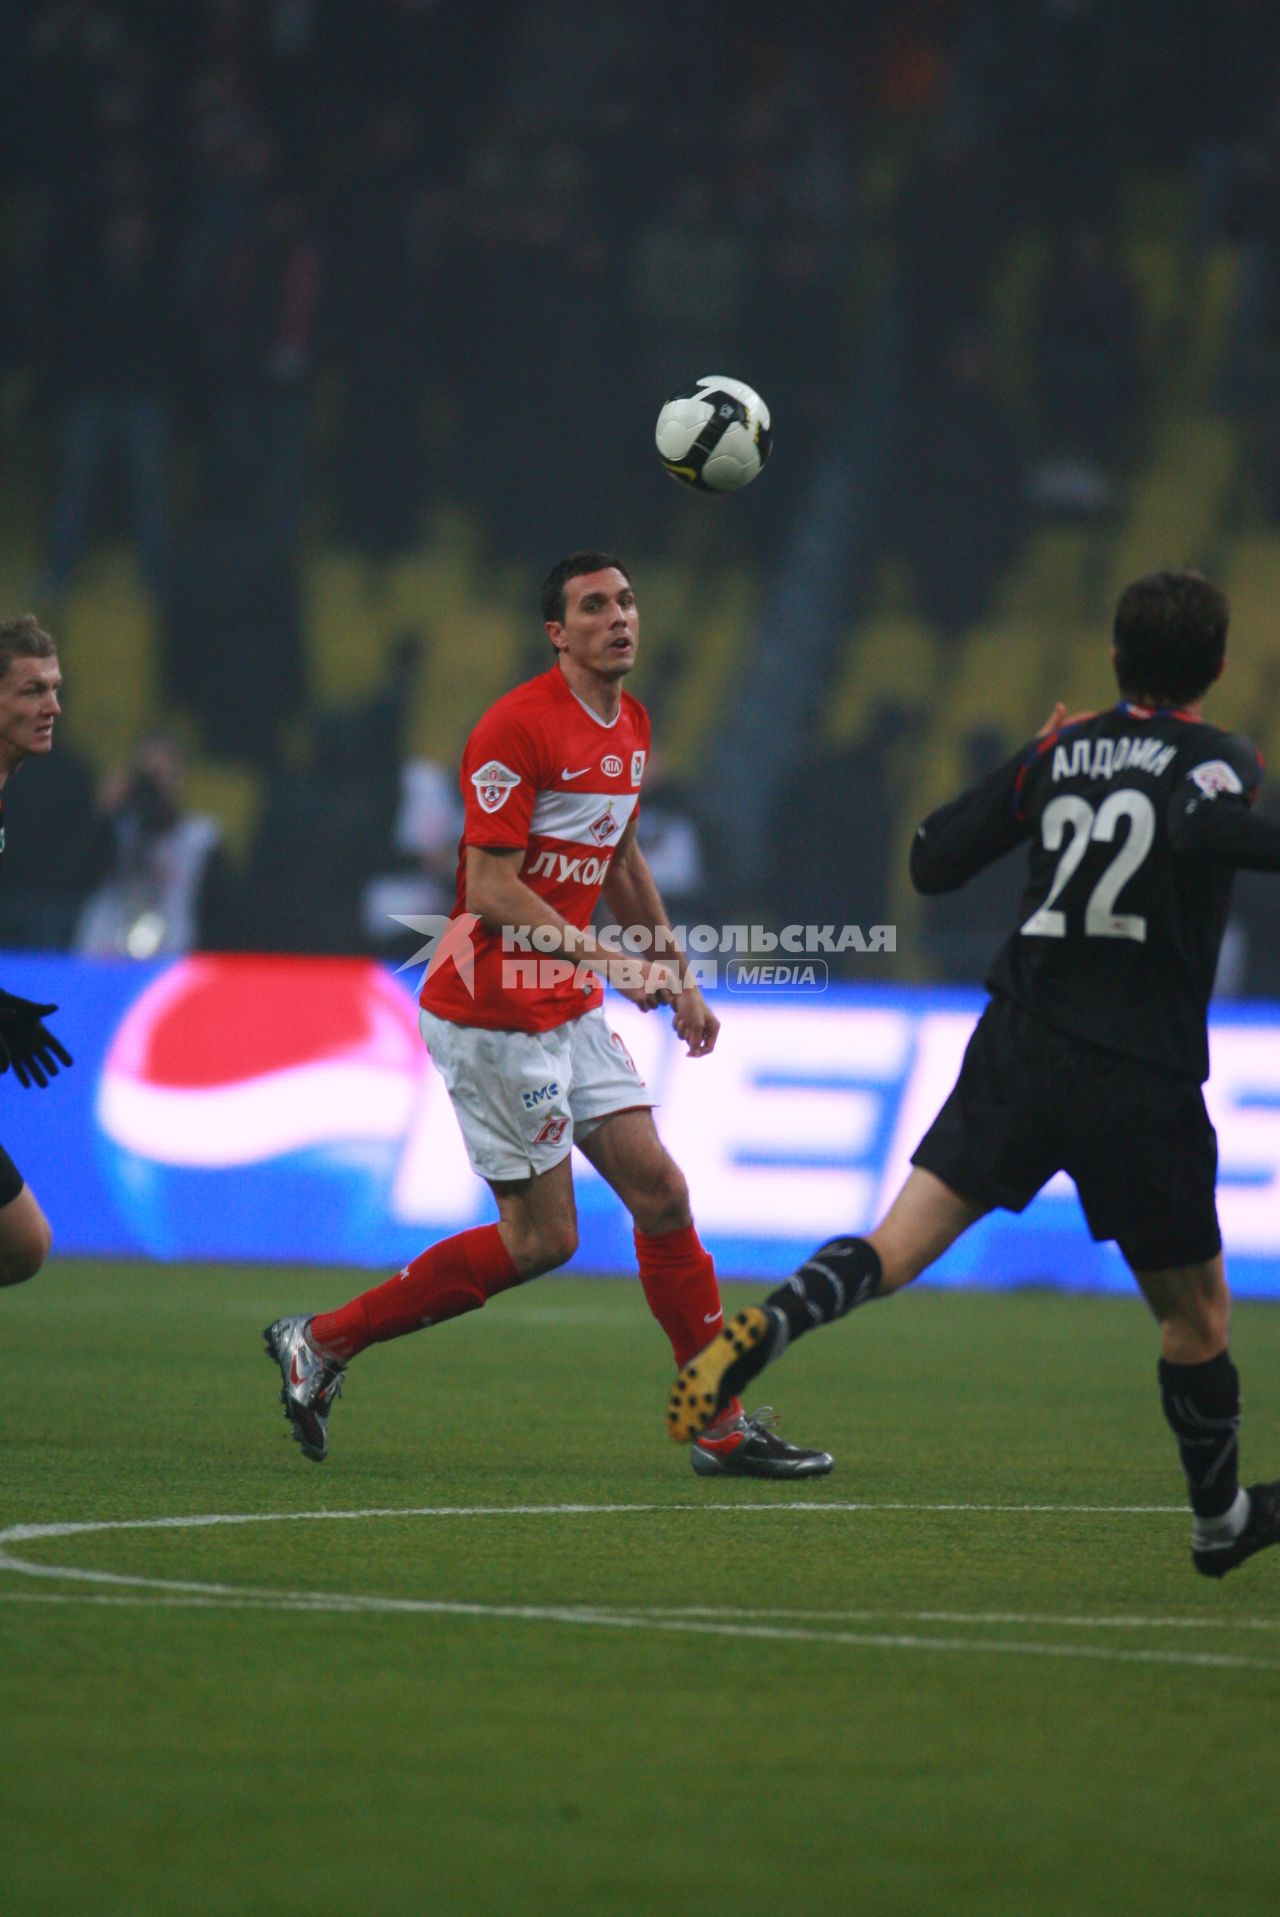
x,y
715,434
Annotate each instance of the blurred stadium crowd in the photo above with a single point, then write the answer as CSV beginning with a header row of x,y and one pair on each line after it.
x,y
329,323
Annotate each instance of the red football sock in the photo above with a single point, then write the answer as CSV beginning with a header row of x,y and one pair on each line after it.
x,y
454,1276
679,1279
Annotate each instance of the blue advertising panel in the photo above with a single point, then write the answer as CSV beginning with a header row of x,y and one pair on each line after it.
x,y
252,1108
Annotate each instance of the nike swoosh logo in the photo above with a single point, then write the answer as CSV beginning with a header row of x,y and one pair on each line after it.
x,y
712,1317
566,774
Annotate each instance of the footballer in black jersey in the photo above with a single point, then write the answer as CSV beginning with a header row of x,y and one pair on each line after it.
x,y
1134,821
30,681
1091,1053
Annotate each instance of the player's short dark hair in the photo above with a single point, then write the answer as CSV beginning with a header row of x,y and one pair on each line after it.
x,y
24,638
553,607
1170,636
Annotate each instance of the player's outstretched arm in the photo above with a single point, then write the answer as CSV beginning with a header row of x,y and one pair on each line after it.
x,y
968,833
26,1042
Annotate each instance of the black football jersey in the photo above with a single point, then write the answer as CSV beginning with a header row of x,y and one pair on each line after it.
x,y
1134,821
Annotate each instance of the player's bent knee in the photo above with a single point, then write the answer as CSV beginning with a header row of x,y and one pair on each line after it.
x,y
1192,1305
674,1188
664,1204
1203,1324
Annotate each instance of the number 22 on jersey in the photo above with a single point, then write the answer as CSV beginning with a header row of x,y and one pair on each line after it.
x,y
1069,824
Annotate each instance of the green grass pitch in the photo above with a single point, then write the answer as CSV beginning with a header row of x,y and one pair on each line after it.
x,y
503,1653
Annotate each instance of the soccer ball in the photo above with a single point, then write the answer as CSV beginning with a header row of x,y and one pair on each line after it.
x,y
714,434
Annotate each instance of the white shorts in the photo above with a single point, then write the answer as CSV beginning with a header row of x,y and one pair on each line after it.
x,y
524,1098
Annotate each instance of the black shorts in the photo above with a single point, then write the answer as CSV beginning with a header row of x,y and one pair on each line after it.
x,y
1137,1140
11,1179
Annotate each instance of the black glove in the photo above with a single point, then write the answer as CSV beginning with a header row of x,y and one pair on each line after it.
x,y
26,1044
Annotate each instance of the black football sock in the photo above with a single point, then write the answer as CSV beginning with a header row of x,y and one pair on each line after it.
x,y
1202,1408
841,1275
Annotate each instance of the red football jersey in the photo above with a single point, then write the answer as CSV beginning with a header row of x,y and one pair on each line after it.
x,y
542,773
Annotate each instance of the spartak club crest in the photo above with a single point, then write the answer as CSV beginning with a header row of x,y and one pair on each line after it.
x,y
494,784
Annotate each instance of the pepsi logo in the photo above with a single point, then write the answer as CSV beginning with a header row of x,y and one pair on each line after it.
x,y
226,1061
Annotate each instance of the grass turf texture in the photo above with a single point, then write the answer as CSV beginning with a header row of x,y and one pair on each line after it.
x,y
233,1756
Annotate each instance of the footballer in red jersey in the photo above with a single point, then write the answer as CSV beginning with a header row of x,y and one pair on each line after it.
x,y
546,777
512,1013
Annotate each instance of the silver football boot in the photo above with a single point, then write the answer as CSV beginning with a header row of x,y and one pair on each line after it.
x,y
310,1383
749,1447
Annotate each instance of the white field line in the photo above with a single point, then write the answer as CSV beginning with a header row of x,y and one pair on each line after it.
x,y
21,1533
232,1599
226,1595
728,1622
1068,1622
